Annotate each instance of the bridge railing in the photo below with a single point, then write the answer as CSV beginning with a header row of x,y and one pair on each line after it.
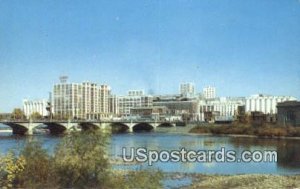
x,y
85,121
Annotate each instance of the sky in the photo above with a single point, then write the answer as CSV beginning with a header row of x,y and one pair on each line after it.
x,y
240,47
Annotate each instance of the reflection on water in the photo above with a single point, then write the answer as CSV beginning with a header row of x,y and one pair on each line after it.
x,y
177,183
288,151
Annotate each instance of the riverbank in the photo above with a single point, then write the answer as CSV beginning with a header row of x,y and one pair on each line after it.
x,y
269,131
242,181
247,181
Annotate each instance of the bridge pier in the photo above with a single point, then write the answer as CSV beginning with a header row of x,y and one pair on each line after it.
x,y
105,127
155,125
130,129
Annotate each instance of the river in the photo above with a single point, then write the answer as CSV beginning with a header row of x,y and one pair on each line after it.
x,y
288,151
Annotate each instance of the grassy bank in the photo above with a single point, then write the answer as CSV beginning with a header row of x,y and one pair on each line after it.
x,y
244,181
261,131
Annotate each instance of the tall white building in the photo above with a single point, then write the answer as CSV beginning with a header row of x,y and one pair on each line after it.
x,y
113,105
67,100
265,103
187,89
209,92
105,93
35,106
95,100
80,100
133,100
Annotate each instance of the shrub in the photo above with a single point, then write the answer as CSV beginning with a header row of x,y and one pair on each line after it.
x,y
200,129
263,131
82,157
11,167
38,169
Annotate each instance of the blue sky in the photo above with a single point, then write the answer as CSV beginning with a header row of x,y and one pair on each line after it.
x,y
240,47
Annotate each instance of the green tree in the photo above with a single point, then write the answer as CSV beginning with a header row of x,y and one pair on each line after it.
x,y
18,114
36,116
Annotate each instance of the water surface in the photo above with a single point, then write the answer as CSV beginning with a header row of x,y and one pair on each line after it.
x,y
288,151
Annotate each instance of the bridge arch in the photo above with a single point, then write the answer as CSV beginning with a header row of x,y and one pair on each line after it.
x,y
166,124
18,128
141,127
22,128
119,127
56,128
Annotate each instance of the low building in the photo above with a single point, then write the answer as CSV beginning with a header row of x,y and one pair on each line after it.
x,y
288,113
154,112
260,118
257,118
35,106
225,108
176,106
134,99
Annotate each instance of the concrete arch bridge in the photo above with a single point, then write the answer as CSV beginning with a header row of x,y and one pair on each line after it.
x,y
60,127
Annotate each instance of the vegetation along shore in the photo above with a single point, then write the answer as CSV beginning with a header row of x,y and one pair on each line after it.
x,y
268,131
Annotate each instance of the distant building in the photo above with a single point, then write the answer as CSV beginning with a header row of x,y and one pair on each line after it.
x,y
224,108
257,118
35,106
265,103
132,100
209,92
135,93
178,106
154,112
288,113
187,89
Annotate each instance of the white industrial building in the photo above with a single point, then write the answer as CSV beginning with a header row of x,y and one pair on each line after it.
x,y
265,103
